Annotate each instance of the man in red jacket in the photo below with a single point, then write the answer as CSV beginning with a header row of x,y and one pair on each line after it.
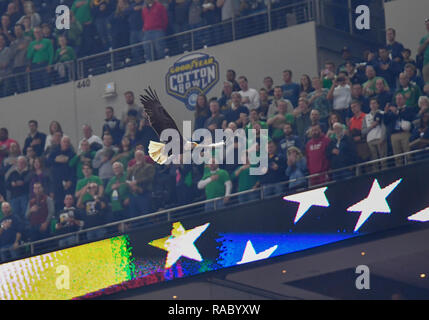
x,y
155,22
316,156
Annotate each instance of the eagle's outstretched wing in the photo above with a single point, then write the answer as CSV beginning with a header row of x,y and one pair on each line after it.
x,y
158,116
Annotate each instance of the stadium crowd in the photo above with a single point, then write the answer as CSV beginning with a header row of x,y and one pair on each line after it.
x,y
350,113
30,41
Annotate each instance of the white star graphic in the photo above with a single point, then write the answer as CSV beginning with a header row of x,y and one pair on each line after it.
x,y
250,255
422,216
374,203
308,199
180,243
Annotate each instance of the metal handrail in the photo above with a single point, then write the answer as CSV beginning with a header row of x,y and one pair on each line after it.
x,y
260,190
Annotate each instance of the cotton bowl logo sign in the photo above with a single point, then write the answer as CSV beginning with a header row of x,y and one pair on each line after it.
x,y
190,76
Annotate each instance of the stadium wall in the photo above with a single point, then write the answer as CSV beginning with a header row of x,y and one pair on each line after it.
x,y
256,57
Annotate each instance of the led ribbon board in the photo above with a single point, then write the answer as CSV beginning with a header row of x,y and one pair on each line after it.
x,y
223,239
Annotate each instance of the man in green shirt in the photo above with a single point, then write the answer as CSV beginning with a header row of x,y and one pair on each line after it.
x,y
410,91
82,12
82,184
424,50
117,192
246,181
217,184
369,87
40,55
277,121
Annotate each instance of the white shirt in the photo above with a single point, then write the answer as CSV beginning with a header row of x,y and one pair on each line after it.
x,y
342,97
91,140
253,96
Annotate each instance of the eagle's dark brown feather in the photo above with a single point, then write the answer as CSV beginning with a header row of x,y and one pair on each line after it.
x,y
158,116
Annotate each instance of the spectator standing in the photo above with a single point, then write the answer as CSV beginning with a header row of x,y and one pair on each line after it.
x,y
216,120
63,178
226,99
202,112
250,97
374,131
64,55
40,211
74,34
275,173
119,30
6,59
39,175
82,12
88,135
317,100
394,47
10,233
424,51
94,211
410,91
357,95
31,14
140,180
369,86
41,56
112,125
411,71
340,95
217,184
18,49
355,124
302,118
69,220
101,10
290,89
155,22
387,68
277,121
138,111
84,156
17,184
35,139
13,13
102,159
269,86
233,114
289,140
264,103
316,152
117,193
88,178
341,153
383,94
246,182
135,22
5,143
398,120
296,168
306,85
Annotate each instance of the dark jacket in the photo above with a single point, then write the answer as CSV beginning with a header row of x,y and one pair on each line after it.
x,y
347,155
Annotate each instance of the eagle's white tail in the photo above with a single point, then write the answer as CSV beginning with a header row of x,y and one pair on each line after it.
x,y
156,152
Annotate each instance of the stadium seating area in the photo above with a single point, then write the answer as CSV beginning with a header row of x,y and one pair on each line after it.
x,y
148,32
349,114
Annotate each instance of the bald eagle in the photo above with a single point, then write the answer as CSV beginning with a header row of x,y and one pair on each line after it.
x,y
160,120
